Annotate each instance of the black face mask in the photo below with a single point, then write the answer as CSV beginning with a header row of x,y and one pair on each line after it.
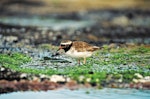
x,y
66,47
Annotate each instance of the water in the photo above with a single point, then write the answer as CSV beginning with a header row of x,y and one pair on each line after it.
x,y
106,93
55,24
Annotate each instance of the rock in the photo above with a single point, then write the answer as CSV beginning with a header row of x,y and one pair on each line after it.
x,y
2,69
146,85
121,20
88,79
141,79
57,78
138,75
44,76
112,45
23,75
130,44
24,85
81,78
72,85
11,38
92,37
135,80
147,78
36,79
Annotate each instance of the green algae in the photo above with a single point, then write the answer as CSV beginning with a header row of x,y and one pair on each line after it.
x,y
106,65
13,60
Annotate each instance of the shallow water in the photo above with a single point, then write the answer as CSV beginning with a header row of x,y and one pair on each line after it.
x,y
105,93
55,24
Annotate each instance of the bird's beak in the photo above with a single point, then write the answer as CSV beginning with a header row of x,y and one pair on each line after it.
x,y
60,47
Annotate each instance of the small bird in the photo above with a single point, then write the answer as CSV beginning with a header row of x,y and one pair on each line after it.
x,y
78,49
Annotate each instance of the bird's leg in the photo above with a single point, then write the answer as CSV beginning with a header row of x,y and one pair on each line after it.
x,y
79,61
84,61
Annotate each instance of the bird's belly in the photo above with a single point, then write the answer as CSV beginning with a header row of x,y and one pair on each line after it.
x,y
76,54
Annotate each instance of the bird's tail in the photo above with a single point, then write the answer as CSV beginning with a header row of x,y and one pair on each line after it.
x,y
96,48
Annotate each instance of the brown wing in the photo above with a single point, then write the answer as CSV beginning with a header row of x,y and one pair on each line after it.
x,y
83,46
93,48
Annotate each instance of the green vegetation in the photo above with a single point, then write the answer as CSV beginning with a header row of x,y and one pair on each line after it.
x,y
117,64
13,60
114,64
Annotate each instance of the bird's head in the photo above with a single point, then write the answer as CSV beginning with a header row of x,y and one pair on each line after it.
x,y
65,44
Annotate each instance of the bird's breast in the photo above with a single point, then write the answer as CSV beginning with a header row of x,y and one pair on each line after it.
x,y
76,54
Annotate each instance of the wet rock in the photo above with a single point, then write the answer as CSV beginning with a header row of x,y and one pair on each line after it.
x,y
146,85
140,79
14,81
139,76
112,45
59,78
25,85
23,76
81,78
135,80
130,44
121,20
92,37
9,74
72,85
88,79
121,24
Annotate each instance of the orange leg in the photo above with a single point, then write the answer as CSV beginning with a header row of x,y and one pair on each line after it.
x,y
79,61
84,61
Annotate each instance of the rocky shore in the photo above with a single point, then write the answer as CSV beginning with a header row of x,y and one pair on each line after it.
x,y
114,28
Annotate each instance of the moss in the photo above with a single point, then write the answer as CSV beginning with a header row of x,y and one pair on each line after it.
x,y
135,60
14,60
141,49
121,63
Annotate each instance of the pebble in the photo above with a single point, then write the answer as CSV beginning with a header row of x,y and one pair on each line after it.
x,y
135,80
11,38
138,75
2,69
147,78
36,79
121,20
23,75
57,78
141,79
88,79
81,78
